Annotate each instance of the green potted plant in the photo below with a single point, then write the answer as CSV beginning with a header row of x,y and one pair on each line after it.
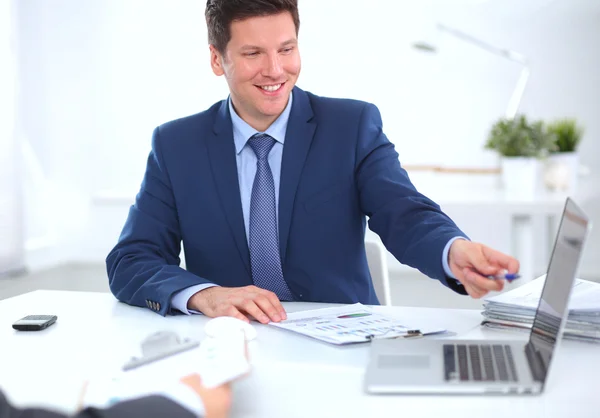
x,y
562,167
567,134
521,144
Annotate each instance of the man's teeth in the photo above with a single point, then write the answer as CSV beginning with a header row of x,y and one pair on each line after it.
x,y
271,88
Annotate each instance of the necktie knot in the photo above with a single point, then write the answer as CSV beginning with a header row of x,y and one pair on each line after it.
x,y
261,144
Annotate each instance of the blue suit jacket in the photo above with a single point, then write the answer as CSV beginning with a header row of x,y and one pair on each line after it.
x,y
337,166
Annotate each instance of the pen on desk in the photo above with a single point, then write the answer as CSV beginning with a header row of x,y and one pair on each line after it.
x,y
508,277
409,333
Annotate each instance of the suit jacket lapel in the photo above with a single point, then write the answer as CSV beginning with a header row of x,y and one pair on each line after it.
x,y
221,149
298,137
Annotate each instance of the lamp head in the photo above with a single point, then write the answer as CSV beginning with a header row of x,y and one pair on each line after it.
x,y
424,46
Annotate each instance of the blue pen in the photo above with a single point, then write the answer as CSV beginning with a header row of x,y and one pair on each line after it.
x,y
508,277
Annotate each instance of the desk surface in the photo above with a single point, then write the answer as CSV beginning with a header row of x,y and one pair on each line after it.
x,y
292,375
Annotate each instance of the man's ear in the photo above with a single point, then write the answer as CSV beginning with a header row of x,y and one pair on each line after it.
x,y
216,61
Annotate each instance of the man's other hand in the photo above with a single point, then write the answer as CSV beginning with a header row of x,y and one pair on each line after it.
x,y
216,401
239,302
472,262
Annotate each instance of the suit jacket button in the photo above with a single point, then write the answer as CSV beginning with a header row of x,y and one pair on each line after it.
x,y
157,306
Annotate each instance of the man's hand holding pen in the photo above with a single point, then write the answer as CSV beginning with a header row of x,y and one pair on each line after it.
x,y
474,264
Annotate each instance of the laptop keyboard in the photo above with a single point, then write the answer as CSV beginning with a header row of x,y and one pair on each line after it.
x,y
479,362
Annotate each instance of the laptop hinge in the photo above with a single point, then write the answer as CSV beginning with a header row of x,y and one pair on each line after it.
x,y
536,365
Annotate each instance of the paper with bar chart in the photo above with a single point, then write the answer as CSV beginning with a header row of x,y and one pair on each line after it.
x,y
349,324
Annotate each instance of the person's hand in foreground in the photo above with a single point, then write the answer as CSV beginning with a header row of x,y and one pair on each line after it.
x,y
217,401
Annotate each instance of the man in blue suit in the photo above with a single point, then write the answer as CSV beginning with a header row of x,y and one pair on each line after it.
x,y
269,192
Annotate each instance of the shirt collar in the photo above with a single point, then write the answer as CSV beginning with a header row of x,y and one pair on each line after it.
x,y
242,132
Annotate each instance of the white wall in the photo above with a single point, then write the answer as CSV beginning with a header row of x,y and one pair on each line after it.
x,y
98,76
11,219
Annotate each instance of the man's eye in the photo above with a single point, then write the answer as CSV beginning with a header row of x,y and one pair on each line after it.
x,y
287,50
251,54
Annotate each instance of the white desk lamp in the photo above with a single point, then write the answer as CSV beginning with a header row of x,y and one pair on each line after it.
x,y
515,100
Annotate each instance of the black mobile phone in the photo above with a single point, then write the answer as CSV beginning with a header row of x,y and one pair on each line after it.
x,y
34,322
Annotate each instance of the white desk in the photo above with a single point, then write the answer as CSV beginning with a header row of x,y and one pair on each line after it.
x,y
292,376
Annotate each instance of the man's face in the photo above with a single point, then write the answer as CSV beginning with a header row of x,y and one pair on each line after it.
x,y
261,64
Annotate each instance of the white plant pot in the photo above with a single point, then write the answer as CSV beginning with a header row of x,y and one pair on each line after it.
x,y
521,177
561,172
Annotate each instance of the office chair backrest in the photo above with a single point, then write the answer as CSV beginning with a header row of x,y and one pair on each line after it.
x,y
377,260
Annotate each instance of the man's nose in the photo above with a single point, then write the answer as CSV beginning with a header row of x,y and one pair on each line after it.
x,y
273,66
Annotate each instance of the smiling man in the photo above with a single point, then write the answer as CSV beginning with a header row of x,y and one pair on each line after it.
x,y
270,189
261,63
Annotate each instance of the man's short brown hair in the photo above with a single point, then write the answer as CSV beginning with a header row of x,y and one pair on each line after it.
x,y
220,13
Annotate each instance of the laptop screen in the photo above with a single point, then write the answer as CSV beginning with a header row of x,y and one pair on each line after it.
x,y
552,308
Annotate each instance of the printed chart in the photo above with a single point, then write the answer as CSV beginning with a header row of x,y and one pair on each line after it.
x,y
348,324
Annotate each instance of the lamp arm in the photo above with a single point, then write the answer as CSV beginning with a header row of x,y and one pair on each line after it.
x,y
517,95
506,53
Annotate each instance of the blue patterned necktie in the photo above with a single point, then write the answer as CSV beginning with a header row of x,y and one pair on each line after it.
x,y
264,242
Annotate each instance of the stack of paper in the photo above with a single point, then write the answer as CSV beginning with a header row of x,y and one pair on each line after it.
x,y
516,309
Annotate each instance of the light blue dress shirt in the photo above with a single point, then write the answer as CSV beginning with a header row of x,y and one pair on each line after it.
x,y
246,167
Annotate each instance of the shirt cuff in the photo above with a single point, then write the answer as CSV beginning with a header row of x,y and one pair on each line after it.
x,y
180,299
445,258
186,397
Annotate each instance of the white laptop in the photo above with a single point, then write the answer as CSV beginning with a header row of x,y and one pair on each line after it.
x,y
454,366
